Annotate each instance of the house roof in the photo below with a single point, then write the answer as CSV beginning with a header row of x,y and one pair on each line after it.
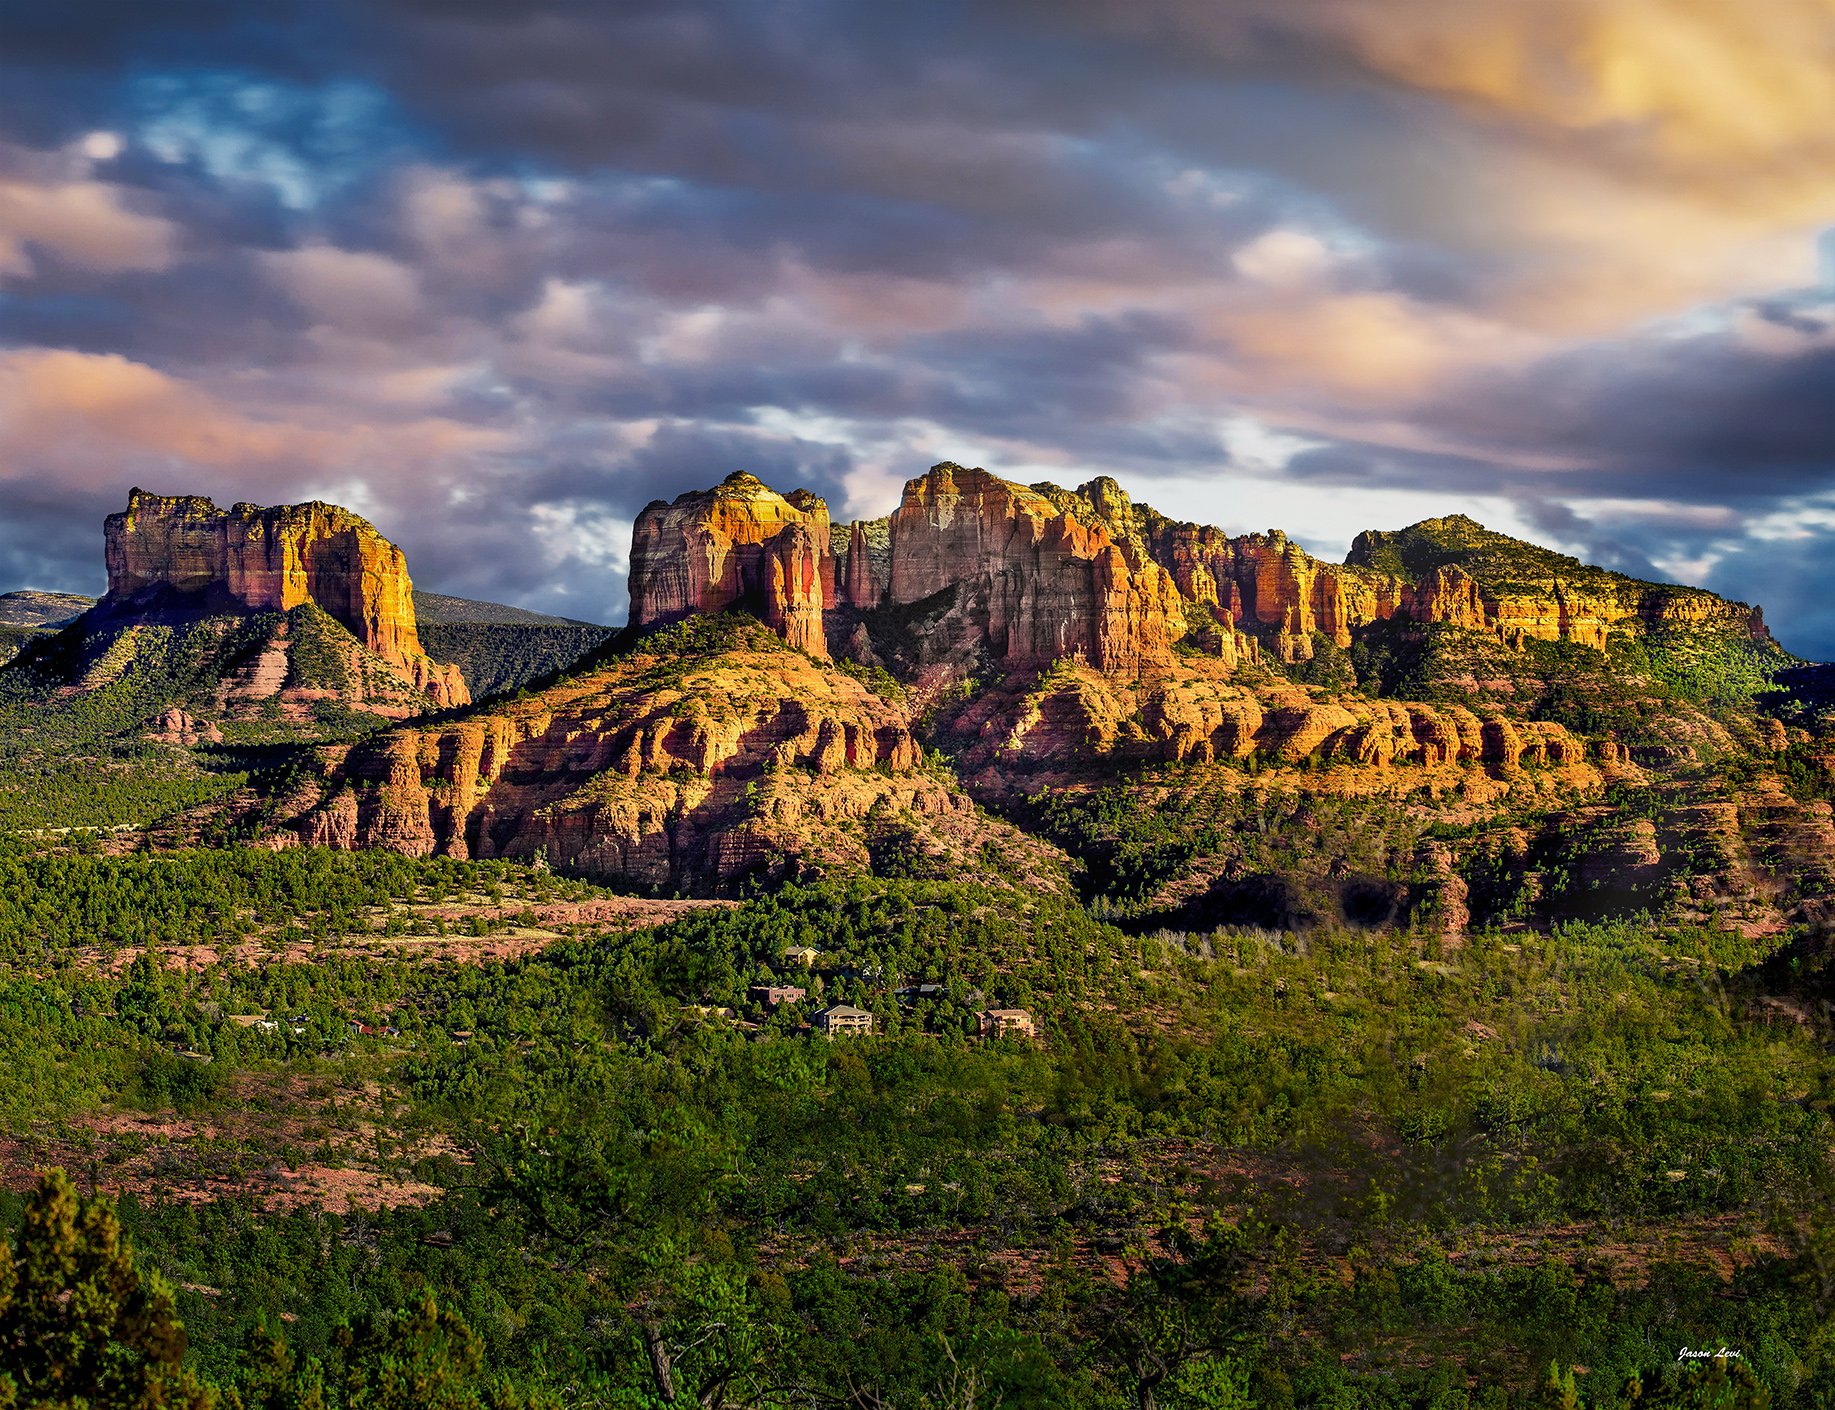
x,y
844,1011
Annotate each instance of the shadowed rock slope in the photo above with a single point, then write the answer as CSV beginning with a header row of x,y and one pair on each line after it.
x,y
699,757
244,625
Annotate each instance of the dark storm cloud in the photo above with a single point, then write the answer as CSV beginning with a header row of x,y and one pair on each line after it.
x,y
1711,414
681,458
52,538
498,275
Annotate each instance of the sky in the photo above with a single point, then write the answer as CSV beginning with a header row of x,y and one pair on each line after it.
x,y
495,276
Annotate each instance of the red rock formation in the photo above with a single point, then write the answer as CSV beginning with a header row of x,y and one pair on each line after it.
x,y
1037,573
861,587
1439,898
1270,587
756,757
739,543
1037,582
798,577
176,726
183,551
1194,712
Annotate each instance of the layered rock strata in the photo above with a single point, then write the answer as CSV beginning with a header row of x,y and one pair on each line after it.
x,y
1193,713
643,774
1027,575
1519,592
1035,580
168,551
1034,574
740,543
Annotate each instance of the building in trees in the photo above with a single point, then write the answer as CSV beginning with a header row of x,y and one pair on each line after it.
x,y
996,1022
844,1018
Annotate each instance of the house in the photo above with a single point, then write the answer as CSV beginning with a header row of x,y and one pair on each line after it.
x,y
844,1018
804,955
998,1022
771,995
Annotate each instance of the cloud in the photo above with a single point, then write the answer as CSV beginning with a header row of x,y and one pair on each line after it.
x,y
355,290
499,275
93,423
89,419
84,223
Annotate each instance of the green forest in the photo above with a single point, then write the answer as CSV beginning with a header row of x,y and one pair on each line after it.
x,y
1495,1097
1242,1167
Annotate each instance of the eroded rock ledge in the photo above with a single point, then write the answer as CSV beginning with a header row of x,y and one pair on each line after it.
x,y
654,773
1028,575
181,551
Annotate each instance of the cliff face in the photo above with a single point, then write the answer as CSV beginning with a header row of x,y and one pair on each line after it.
x,y
1271,588
1029,575
183,551
658,770
739,543
1194,713
1037,579
1458,572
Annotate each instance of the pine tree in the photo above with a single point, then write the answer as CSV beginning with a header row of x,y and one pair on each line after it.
x,y
1557,1390
80,1325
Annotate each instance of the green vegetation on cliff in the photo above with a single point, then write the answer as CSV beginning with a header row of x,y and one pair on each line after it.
x,y
496,657
1500,563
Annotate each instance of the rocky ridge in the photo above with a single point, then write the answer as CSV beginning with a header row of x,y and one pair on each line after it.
x,y
903,692
181,552
678,766
1027,575
1060,641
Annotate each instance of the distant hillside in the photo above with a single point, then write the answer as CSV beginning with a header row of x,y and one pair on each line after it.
x,y
441,610
31,608
1501,564
495,657
499,648
29,613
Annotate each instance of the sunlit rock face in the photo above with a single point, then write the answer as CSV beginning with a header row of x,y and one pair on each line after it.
x,y
1271,588
655,769
1041,574
973,566
1455,572
182,551
740,543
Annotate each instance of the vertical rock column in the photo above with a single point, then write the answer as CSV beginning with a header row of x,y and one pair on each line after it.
x,y
182,550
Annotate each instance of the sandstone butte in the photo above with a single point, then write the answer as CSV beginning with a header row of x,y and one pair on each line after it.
x,y
668,766
691,760
740,543
1036,574
182,552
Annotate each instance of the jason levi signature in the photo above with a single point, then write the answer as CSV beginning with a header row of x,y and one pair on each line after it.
x,y
1686,1355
